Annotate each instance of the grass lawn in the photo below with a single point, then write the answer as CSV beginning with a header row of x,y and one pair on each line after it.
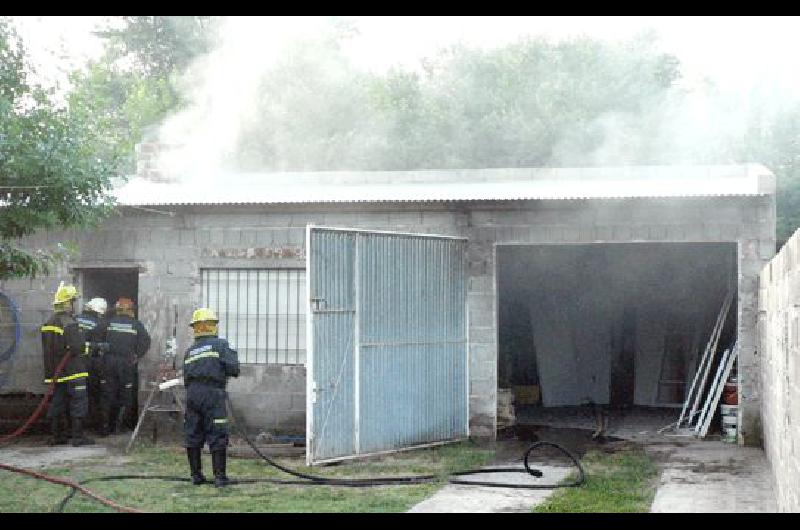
x,y
20,493
624,481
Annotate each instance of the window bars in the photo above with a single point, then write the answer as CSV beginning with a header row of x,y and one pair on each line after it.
x,y
262,312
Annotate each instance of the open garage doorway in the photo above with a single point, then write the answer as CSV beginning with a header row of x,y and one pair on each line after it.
x,y
111,284
617,326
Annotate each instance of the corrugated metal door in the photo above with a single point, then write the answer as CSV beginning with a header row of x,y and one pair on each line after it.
x,y
387,366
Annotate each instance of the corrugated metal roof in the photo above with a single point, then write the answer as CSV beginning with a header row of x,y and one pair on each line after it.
x,y
455,185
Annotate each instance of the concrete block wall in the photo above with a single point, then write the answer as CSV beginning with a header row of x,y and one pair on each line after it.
x,y
171,250
779,346
747,221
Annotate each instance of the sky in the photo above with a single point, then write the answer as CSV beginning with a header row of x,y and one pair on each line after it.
x,y
736,50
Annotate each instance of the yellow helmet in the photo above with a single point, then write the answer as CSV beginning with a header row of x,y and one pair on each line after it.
x,y
65,293
203,314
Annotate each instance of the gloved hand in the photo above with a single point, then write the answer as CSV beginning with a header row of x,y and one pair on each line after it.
x,y
99,347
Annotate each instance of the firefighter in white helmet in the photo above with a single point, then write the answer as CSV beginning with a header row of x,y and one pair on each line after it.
x,y
92,322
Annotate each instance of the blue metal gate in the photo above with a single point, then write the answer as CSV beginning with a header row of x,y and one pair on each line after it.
x,y
387,359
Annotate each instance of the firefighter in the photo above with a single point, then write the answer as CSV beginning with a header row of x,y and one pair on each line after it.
x,y
61,336
207,364
128,341
92,323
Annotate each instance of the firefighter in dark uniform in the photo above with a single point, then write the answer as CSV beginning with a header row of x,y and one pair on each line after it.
x,y
61,336
92,323
207,364
128,341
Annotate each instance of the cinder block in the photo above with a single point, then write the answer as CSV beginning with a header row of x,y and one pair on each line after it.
x,y
232,237
483,352
217,236
482,387
481,284
482,334
621,232
766,249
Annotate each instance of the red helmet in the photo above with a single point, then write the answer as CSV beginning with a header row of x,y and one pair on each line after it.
x,y
124,304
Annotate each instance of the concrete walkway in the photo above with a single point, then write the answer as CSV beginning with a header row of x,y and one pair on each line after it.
x,y
45,456
712,476
455,498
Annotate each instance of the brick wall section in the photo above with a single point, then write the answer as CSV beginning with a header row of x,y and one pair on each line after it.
x,y
779,344
171,250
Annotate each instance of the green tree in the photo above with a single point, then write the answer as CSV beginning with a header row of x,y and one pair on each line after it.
x,y
132,86
774,141
531,103
56,164
159,46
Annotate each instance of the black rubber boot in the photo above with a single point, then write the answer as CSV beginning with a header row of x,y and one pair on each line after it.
x,y
218,458
109,421
57,436
78,438
123,411
196,465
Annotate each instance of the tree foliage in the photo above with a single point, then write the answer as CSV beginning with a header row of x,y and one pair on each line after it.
x,y
531,103
132,86
56,164
775,142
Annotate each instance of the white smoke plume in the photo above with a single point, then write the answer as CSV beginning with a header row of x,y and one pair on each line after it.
x,y
728,63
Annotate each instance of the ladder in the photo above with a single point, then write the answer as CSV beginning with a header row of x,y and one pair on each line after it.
x,y
167,388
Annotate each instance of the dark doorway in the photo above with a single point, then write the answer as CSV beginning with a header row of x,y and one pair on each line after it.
x,y
113,284
618,324
623,353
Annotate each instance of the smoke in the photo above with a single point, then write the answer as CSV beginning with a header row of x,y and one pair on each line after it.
x,y
221,88
735,74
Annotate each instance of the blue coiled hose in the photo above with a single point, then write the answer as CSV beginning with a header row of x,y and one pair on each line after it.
x,y
9,352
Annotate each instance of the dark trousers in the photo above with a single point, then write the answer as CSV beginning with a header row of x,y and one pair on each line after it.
x,y
206,418
96,384
69,396
117,391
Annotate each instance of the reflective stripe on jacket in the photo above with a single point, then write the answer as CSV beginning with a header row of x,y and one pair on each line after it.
x,y
61,335
210,359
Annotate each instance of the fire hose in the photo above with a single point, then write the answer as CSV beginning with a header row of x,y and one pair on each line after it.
x,y
7,438
316,480
41,476
306,479
74,485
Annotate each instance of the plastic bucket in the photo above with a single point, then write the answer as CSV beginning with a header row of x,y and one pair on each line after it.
x,y
730,394
729,434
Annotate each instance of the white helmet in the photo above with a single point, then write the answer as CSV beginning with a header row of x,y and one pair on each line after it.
x,y
98,305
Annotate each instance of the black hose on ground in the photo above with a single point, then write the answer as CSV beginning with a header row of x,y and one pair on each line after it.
x,y
317,480
417,479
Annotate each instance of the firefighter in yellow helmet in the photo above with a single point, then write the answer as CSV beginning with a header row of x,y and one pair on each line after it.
x,y
128,341
207,364
62,336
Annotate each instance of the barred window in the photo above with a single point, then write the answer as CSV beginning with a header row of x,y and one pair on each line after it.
x,y
262,312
